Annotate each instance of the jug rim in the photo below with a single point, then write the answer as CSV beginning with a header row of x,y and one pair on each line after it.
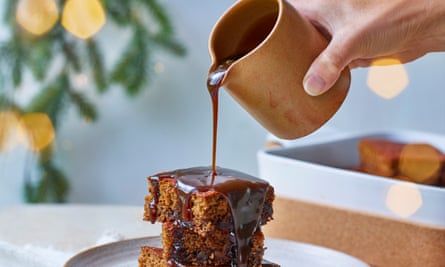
x,y
251,52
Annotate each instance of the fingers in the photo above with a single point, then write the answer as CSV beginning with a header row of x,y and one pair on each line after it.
x,y
326,69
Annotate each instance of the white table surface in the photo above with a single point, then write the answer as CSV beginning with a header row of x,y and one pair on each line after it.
x,y
71,227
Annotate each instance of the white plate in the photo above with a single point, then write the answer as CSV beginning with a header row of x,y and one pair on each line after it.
x,y
313,172
285,253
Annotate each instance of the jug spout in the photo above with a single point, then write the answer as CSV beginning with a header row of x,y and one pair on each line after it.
x,y
237,35
220,73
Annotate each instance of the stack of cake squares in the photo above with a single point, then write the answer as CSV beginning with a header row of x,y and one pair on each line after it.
x,y
206,238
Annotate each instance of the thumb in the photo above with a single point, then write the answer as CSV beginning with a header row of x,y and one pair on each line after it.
x,y
327,67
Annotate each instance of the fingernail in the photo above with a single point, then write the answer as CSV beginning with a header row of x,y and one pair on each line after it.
x,y
314,85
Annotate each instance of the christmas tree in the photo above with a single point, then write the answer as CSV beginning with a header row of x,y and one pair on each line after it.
x,y
43,32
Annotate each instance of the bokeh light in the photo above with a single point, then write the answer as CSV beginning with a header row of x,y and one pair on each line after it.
x,y
270,144
9,123
421,163
387,78
37,16
81,80
404,199
83,18
39,130
159,67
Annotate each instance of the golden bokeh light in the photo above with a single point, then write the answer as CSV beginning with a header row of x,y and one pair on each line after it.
x,y
404,199
9,123
421,163
83,18
37,16
39,130
387,78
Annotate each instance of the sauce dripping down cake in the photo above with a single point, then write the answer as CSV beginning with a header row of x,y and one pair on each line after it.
x,y
210,219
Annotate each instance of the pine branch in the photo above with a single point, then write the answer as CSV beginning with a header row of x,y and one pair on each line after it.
x,y
17,72
40,57
119,11
84,106
5,102
16,54
160,15
8,104
132,69
36,193
51,99
169,44
58,186
11,56
28,192
5,66
97,66
51,187
46,154
23,51
71,55
41,190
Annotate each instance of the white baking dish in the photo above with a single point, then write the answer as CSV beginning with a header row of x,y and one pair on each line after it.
x,y
310,172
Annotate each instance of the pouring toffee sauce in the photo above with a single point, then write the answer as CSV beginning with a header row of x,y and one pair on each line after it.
x,y
245,194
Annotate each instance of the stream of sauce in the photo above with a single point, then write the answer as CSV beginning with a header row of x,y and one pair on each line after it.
x,y
214,83
245,194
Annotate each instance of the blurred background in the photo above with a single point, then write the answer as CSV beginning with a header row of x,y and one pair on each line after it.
x,y
133,106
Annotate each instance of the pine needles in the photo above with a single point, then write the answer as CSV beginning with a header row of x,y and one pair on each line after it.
x,y
24,52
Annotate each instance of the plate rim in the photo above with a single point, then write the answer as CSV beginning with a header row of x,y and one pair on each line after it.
x,y
69,262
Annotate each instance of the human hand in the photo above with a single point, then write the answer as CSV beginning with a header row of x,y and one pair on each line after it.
x,y
364,31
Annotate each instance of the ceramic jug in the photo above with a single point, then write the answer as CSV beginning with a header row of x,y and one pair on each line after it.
x,y
273,46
